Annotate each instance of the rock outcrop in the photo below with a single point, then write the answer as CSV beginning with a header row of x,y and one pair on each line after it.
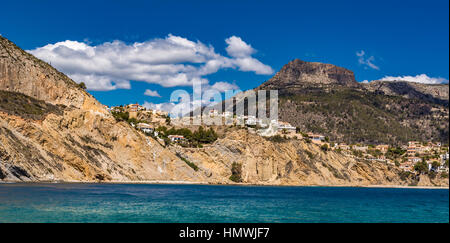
x,y
298,74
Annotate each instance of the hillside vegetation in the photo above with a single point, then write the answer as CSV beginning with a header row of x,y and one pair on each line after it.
x,y
18,104
352,116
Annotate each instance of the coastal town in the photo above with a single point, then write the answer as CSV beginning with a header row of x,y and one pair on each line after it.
x,y
415,156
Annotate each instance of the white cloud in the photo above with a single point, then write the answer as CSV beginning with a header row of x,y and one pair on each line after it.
x,y
169,62
238,48
421,78
224,86
248,64
205,91
360,53
161,106
241,53
366,61
152,93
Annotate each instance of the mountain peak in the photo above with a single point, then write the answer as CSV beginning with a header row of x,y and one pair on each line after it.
x,y
298,74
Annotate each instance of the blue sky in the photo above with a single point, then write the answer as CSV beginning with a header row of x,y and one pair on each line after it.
x,y
392,38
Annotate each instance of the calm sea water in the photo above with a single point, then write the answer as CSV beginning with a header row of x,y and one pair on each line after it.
x,y
202,203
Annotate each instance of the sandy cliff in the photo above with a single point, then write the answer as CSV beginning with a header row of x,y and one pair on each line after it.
x,y
292,162
75,140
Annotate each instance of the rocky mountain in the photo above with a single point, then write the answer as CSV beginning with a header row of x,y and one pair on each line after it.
x,y
326,99
298,74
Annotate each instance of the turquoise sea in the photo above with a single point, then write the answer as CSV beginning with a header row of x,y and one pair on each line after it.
x,y
205,203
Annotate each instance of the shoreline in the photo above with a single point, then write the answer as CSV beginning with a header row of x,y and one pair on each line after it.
x,y
163,182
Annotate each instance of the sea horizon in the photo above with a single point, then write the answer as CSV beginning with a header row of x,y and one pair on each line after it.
x,y
184,203
159,182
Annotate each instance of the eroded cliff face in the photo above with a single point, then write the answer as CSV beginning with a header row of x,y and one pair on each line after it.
x,y
293,162
22,72
83,145
51,129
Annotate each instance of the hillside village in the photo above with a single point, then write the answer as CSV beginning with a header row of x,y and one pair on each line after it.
x,y
414,157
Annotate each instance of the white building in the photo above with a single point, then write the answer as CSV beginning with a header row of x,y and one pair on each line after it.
x,y
360,148
251,120
228,114
414,159
145,127
213,113
316,137
286,126
176,138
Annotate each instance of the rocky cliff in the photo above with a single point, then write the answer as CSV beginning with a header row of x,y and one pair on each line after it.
x,y
291,162
22,72
51,129
297,75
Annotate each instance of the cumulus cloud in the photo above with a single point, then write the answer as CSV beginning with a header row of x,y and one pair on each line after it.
x,y
169,62
209,95
224,86
167,106
241,53
180,109
238,48
363,59
152,93
421,78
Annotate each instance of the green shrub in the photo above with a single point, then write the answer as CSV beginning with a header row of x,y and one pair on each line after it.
x,y
82,85
435,165
193,139
236,171
203,136
310,155
405,175
121,116
192,165
277,139
357,153
421,167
